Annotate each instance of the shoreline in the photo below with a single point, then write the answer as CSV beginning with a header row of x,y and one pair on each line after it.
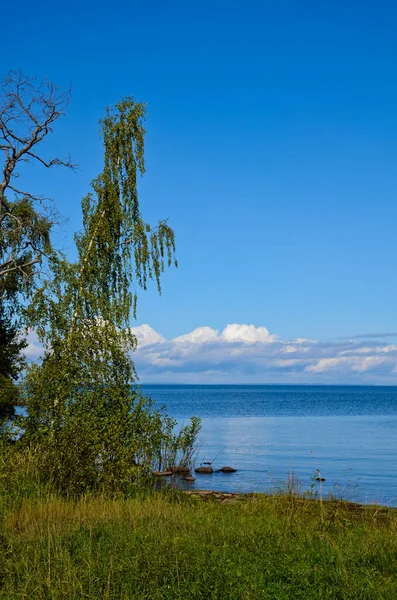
x,y
233,497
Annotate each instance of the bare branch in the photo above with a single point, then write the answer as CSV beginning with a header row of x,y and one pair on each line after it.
x,y
28,111
27,195
55,161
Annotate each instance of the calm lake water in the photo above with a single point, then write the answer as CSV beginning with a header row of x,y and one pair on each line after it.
x,y
266,432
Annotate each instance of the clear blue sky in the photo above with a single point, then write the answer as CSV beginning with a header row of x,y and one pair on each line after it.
x,y
271,147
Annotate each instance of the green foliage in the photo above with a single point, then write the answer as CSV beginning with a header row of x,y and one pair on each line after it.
x,y
95,430
11,364
8,399
169,546
24,242
11,345
177,447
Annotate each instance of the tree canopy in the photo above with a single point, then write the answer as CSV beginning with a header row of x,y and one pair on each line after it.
x,y
96,429
84,416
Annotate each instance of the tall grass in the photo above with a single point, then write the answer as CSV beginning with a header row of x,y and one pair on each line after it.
x,y
170,545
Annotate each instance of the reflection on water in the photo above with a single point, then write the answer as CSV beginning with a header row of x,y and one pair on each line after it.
x,y
356,455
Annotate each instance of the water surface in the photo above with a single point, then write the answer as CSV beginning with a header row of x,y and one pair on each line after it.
x,y
272,433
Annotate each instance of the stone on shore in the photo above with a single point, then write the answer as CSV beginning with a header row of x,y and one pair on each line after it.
x,y
222,497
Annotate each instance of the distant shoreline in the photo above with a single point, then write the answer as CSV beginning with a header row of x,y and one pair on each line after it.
x,y
311,385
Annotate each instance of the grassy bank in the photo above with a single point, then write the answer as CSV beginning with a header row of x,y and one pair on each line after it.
x,y
177,546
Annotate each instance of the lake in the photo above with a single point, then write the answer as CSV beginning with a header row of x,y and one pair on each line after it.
x,y
272,433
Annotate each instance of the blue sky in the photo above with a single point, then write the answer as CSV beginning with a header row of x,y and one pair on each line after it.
x,y
271,147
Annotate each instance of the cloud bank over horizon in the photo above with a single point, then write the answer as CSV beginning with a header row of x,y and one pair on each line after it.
x,y
242,353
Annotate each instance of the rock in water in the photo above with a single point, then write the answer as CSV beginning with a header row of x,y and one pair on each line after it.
x,y
204,470
189,479
227,470
179,469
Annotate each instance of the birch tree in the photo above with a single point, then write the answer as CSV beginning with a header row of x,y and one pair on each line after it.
x,y
97,430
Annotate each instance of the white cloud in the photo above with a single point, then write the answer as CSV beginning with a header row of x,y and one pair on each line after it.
x,y
146,335
34,349
232,333
200,335
357,364
294,347
288,362
371,350
247,333
246,353
325,364
384,349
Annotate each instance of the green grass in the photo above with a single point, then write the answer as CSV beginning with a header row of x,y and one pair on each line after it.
x,y
171,546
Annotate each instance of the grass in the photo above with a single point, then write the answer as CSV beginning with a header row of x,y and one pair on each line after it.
x,y
175,546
